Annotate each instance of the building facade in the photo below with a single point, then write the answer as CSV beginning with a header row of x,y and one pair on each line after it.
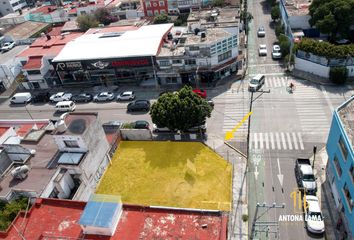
x,y
340,169
154,7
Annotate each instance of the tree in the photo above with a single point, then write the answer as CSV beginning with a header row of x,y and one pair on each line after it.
x,y
218,3
275,13
180,110
338,75
284,44
103,15
279,29
332,17
86,21
162,18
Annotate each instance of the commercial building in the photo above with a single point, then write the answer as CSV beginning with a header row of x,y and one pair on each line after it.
x,y
154,7
340,169
63,219
57,159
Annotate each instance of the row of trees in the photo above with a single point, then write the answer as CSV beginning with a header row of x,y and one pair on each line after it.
x,y
100,16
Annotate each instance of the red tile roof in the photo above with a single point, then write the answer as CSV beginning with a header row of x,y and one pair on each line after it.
x,y
55,31
3,130
34,62
54,218
45,9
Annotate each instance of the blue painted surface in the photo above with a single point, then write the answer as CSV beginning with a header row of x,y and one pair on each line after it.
x,y
333,149
99,214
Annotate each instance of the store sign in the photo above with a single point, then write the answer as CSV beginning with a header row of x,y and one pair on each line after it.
x,y
68,66
131,63
100,64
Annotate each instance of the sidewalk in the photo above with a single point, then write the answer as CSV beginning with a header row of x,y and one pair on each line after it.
x,y
324,193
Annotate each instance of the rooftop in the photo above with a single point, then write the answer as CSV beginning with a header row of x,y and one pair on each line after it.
x,y
297,7
25,30
45,9
77,123
211,36
346,114
144,41
217,17
188,174
54,219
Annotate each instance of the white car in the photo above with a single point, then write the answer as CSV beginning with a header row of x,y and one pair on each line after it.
x,y
313,215
276,53
7,46
103,97
129,95
60,96
261,32
262,50
157,129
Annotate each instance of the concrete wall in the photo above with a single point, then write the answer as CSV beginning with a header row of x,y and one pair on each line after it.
x,y
311,67
136,134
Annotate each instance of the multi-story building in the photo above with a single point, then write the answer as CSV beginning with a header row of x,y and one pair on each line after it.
x,y
340,169
65,159
154,7
10,6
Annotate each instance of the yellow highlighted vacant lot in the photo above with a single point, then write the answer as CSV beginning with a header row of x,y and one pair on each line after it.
x,y
176,174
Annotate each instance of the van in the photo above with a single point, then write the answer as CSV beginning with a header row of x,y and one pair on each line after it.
x,y
65,106
256,82
21,98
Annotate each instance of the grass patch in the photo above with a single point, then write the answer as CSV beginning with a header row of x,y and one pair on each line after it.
x,y
176,174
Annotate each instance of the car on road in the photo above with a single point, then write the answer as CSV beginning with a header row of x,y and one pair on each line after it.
x,y
111,126
126,96
313,215
103,97
82,97
261,32
23,98
305,178
7,46
262,51
139,105
41,97
141,124
60,96
256,82
201,92
276,53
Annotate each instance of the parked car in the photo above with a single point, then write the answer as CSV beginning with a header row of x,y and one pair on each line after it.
x,y
82,97
60,96
24,98
103,97
141,124
128,95
41,97
198,129
8,46
256,82
261,32
65,106
262,50
313,215
304,176
111,126
276,53
200,92
139,105
157,129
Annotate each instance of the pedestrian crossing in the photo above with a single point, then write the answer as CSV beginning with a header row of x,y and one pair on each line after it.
x,y
277,141
276,81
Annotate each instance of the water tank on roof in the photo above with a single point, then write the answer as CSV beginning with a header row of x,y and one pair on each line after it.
x,y
61,126
20,172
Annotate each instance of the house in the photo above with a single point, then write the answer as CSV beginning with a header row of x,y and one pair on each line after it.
x,y
340,169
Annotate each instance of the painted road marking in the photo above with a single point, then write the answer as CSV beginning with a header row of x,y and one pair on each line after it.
x,y
283,140
266,139
289,141
272,140
255,141
261,140
300,141
230,134
278,140
295,141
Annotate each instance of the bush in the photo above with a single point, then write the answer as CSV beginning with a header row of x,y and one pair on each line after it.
x,y
10,210
244,217
127,126
279,29
338,75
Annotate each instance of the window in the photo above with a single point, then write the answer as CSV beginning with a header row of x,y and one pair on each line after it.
x,y
224,56
156,12
71,144
162,3
348,197
171,80
176,61
164,63
337,165
148,4
162,11
33,72
190,62
343,148
149,12
193,48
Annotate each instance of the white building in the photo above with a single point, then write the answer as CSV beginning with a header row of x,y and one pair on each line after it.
x,y
10,6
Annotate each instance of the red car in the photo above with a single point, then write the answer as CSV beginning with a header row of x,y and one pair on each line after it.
x,y
200,92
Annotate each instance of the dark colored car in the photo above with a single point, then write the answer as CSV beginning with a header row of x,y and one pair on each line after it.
x,y
141,124
139,105
41,97
83,97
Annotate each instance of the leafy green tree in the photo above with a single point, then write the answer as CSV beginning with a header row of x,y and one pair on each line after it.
x,y
271,2
275,12
338,75
9,211
218,3
279,29
86,21
332,17
181,110
284,44
162,18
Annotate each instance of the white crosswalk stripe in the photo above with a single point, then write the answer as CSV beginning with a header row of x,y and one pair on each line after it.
x,y
277,81
283,140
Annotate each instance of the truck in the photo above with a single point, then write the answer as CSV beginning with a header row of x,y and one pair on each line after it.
x,y
305,178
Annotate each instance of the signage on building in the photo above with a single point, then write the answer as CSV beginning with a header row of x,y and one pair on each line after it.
x,y
68,66
131,63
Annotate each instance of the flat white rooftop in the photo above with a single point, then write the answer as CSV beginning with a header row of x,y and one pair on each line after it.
x,y
144,41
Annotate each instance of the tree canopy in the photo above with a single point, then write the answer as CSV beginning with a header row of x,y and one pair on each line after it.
x,y
162,18
275,12
180,110
86,21
332,17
